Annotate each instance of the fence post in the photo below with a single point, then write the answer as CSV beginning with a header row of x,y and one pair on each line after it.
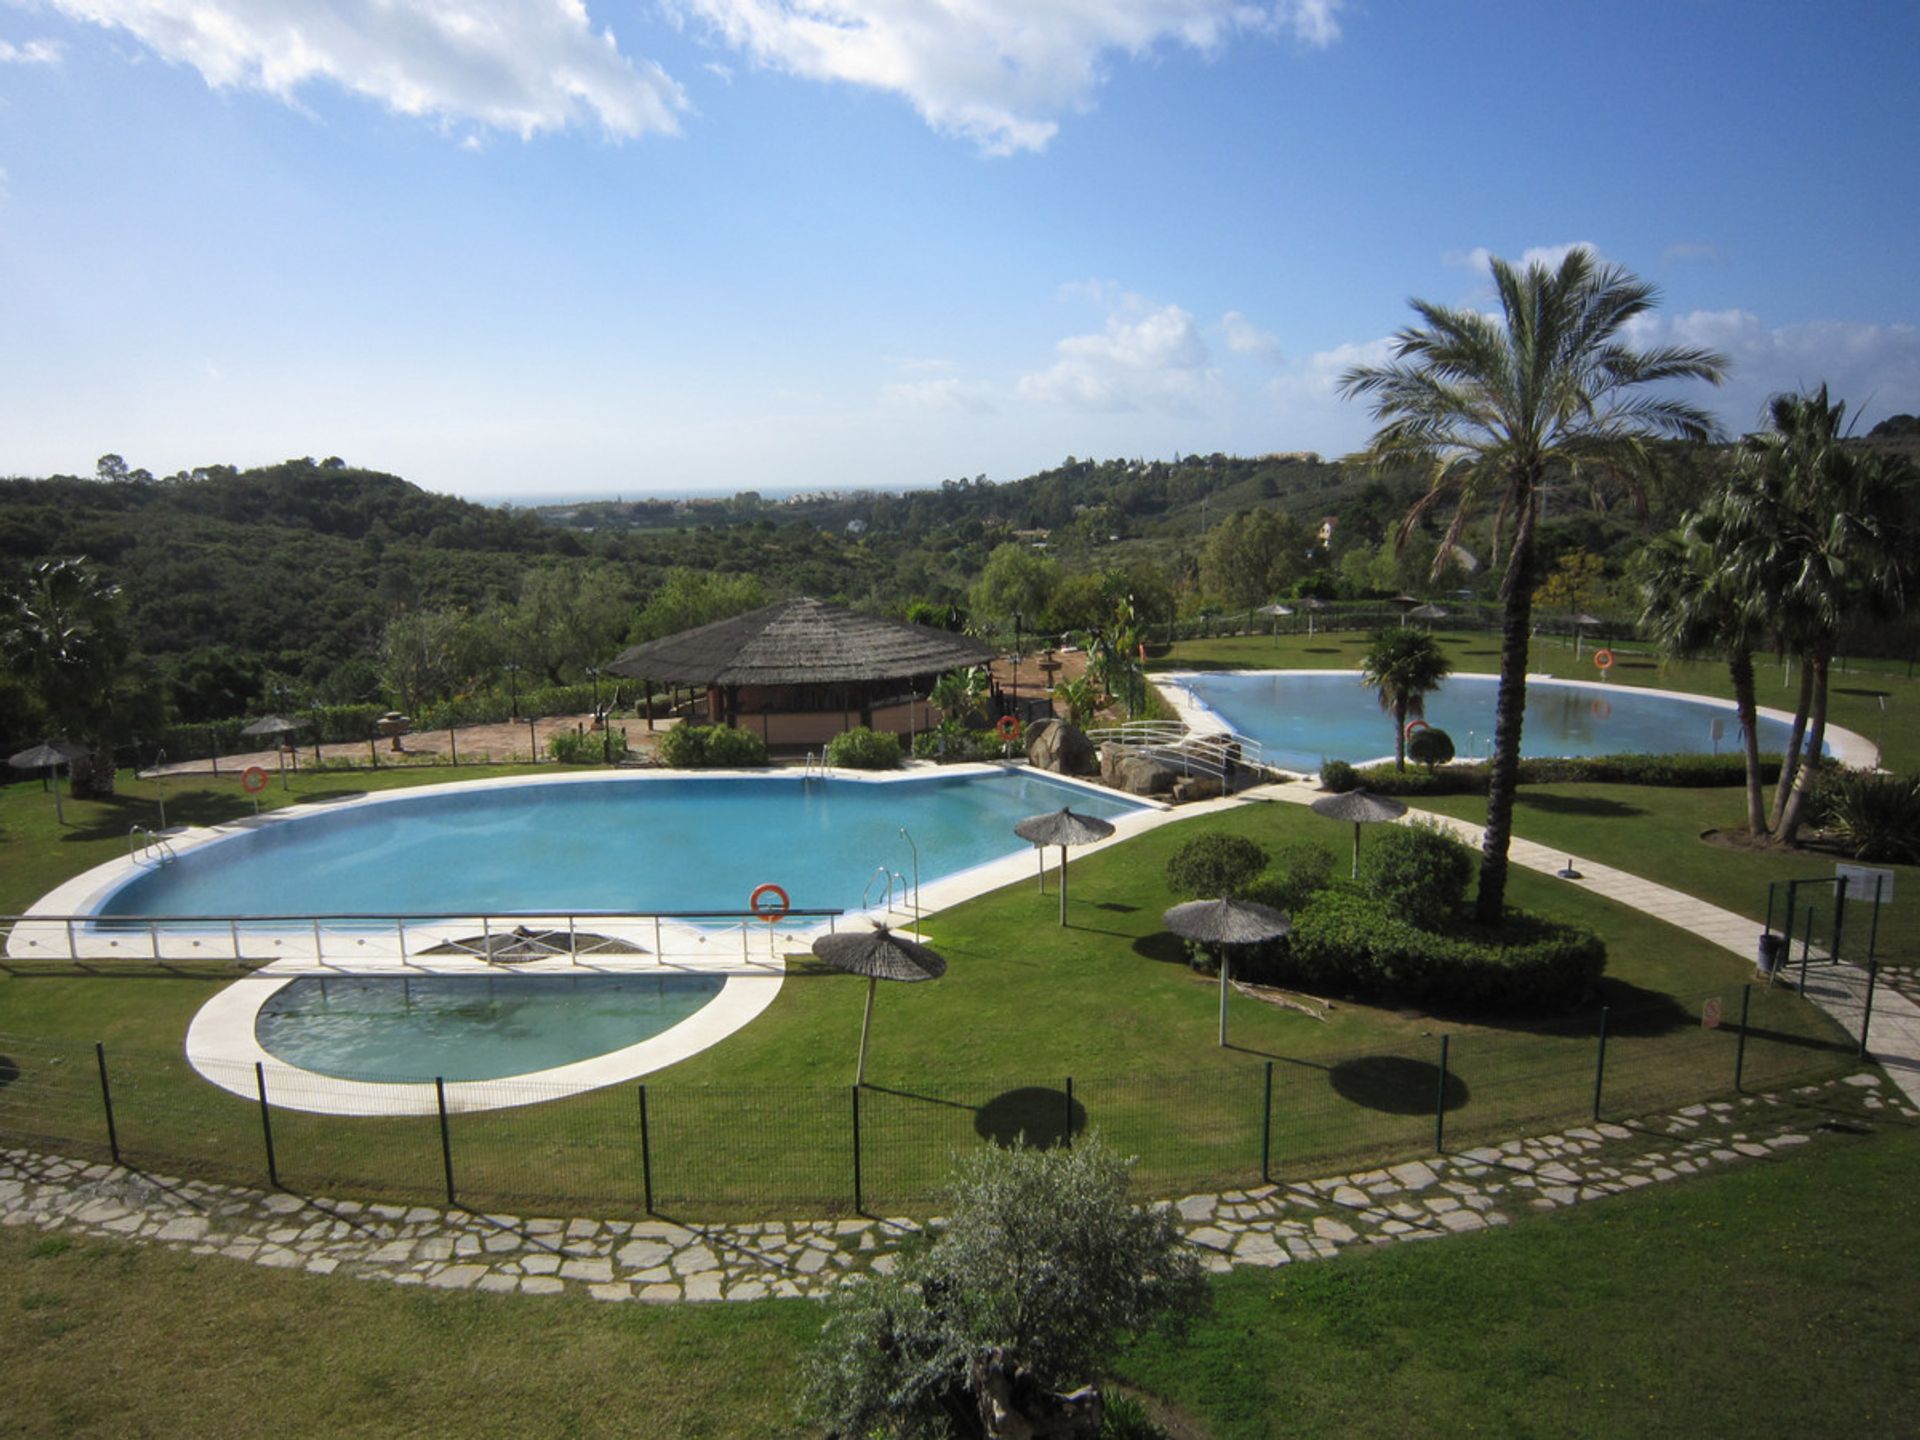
x,y
1266,1130
1740,1048
1440,1103
1866,1012
446,1136
106,1100
266,1122
1600,1065
646,1153
859,1194
1066,1130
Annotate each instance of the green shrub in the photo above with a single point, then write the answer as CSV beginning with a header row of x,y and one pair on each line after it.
x,y
864,749
1352,944
702,747
1688,771
951,743
1338,775
1214,865
1296,871
1874,817
1042,1256
570,747
1430,747
1419,871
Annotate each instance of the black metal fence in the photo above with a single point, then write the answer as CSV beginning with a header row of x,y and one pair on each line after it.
x,y
715,1151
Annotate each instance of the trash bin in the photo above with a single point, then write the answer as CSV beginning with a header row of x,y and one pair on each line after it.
x,y
1773,950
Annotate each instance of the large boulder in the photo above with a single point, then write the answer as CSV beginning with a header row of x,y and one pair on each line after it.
x,y
1135,773
1062,748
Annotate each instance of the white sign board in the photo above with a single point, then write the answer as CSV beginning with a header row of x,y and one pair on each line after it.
x,y
1859,881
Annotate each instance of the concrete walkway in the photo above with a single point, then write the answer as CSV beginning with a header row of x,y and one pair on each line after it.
x,y
1839,988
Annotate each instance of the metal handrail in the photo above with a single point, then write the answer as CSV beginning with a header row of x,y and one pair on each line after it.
x,y
880,872
150,844
1209,752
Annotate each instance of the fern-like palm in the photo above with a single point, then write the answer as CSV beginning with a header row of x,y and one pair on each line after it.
x,y
1405,666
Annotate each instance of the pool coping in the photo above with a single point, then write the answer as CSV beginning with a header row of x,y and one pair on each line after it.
x,y
1848,747
222,1046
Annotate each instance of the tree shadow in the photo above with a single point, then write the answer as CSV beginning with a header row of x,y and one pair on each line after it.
x,y
1161,946
9,1071
1865,694
1322,650
1037,1115
1397,1085
1576,804
1116,907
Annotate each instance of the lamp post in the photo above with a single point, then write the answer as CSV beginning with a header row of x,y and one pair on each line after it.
x,y
513,687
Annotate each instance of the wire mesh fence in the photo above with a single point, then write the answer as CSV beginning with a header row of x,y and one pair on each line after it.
x,y
525,1147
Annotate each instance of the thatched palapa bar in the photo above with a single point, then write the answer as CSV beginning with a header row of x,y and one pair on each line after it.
x,y
801,671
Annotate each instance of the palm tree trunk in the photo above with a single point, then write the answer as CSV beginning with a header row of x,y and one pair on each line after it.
x,y
1740,667
1790,762
90,776
1400,735
1808,772
1510,711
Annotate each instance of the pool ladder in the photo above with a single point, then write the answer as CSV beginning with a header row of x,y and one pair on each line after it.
x,y
146,846
816,767
882,875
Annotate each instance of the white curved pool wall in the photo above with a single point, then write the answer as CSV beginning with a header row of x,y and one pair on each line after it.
x,y
222,1044
1845,745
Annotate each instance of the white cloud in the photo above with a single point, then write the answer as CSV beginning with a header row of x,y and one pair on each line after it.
x,y
1143,360
951,394
1874,368
995,72
1246,338
1480,258
521,66
32,52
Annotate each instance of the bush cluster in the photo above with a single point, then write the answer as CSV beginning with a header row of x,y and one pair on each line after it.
x,y
1692,771
572,747
1338,776
1357,945
1874,817
1212,865
1418,871
709,747
957,745
863,749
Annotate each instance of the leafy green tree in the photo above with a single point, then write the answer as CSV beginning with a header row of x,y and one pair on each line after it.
x,y
1494,407
1577,582
959,694
1079,696
1252,557
1820,534
428,655
688,598
1405,665
1017,580
1215,866
568,616
62,633
1042,1258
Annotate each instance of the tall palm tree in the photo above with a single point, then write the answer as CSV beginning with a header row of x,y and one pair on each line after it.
x,y
1496,406
1692,606
1819,536
1405,666
60,632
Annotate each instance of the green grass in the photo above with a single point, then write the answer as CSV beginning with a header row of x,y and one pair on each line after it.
x,y
761,1123
1769,1298
1774,1299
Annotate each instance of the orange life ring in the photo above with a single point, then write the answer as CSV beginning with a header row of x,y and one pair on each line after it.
x,y
1009,727
773,912
254,781
1601,709
1603,659
1413,725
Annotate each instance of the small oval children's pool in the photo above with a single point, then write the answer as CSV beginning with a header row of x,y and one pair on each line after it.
x,y
413,1028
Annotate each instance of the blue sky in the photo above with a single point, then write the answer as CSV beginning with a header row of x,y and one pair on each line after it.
x,y
561,247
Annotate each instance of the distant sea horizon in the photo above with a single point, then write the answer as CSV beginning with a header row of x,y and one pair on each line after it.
x,y
528,500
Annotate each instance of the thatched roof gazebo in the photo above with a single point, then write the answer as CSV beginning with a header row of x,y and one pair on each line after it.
x,y
801,671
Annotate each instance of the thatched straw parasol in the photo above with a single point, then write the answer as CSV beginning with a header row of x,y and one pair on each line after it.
x,y
1428,613
1063,828
50,757
1226,923
1276,610
277,725
1582,622
878,954
1360,807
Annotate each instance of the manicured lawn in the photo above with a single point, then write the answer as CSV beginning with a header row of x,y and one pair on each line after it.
x,y
1772,1298
1775,1299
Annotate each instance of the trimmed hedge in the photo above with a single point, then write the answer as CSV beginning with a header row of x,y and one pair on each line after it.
x,y
1348,944
1691,771
711,747
864,749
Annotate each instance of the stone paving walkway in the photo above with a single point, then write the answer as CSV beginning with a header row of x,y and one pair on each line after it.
x,y
660,1261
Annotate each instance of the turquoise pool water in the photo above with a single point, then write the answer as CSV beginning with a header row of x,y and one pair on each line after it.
x,y
1302,719
638,844
469,1027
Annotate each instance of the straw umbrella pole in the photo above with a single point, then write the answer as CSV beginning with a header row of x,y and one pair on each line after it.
x,y
1063,828
49,757
1361,808
878,954
1226,923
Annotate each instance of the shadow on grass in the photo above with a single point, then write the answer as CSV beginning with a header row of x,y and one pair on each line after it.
x,y
1116,907
1037,1114
1594,805
1867,694
9,1071
1396,1085
1163,946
